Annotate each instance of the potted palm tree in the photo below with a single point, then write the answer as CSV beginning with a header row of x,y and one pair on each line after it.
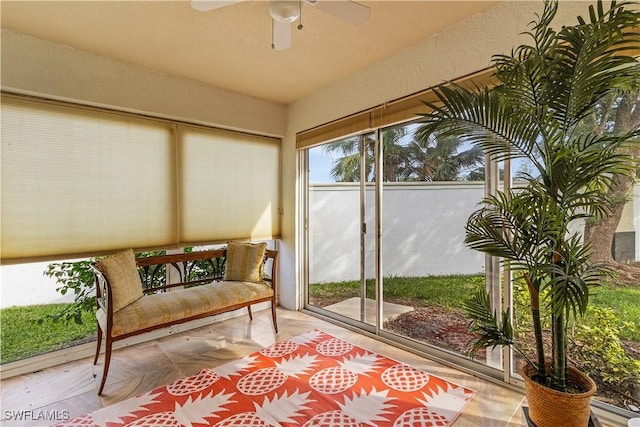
x,y
544,91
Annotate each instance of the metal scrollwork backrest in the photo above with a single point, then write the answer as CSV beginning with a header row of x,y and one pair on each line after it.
x,y
189,272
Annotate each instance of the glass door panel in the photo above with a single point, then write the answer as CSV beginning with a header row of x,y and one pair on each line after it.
x,y
430,187
368,232
340,225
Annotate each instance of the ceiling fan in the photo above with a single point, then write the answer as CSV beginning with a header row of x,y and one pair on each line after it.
x,y
285,12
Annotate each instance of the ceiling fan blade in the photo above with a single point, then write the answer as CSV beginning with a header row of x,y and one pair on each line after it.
x,y
281,35
207,5
346,10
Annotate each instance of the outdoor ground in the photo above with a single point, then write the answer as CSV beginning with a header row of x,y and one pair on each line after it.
x,y
447,328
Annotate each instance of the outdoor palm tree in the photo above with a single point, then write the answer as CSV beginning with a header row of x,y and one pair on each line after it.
x,y
546,90
347,167
439,158
408,156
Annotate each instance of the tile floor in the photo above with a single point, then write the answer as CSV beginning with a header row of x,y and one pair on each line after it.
x,y
71,388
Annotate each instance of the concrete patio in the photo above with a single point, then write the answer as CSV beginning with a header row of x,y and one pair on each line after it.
x,y
351,308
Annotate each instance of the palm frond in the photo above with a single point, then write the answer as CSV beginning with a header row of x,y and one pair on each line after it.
x,y
590,61
572,277
482,118
507,227
492,331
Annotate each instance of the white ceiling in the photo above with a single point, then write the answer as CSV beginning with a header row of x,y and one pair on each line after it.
x,y
230,47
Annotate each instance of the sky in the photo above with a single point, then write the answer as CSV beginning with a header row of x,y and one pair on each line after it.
x,y
319,166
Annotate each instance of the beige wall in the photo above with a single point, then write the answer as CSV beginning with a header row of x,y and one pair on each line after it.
x,y
34,66
629,215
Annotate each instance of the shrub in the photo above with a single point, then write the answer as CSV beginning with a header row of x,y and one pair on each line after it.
x,y
73,277
596,342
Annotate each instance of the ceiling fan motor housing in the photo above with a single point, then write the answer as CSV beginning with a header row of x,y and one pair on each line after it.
x,y
284,10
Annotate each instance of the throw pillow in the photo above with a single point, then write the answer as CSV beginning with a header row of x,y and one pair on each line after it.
x,y
121,271
245,261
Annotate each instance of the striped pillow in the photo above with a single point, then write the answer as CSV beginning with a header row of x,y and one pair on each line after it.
x,y
245,261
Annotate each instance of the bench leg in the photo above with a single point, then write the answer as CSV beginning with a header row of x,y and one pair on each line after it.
x,y
249,310
107,360
98,345
273,316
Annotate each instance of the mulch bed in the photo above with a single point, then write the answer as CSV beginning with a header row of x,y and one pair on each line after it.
x,y
447,328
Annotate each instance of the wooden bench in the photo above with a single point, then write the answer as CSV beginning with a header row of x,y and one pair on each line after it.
x,y
201,289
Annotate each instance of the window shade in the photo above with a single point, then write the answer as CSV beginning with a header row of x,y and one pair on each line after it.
x,y
76,181
390,113
79,181
337,129
229,186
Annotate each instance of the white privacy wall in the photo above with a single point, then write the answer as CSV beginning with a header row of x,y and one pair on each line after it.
x,y
423,230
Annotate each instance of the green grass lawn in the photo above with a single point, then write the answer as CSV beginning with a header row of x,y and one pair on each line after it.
x,y
453,290
625,303
448,291
21,335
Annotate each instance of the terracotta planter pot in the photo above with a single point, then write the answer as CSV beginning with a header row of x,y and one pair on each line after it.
x,y
552,408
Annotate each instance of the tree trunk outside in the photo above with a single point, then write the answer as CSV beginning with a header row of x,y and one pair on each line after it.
x,y
625,117
601,234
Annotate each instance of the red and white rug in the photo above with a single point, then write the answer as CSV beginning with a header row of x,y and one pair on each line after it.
x,y
313,379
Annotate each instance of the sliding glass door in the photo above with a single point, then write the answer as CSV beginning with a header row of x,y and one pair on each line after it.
x,y
385,228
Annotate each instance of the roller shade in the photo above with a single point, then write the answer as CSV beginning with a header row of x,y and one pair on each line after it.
x,y
389,113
